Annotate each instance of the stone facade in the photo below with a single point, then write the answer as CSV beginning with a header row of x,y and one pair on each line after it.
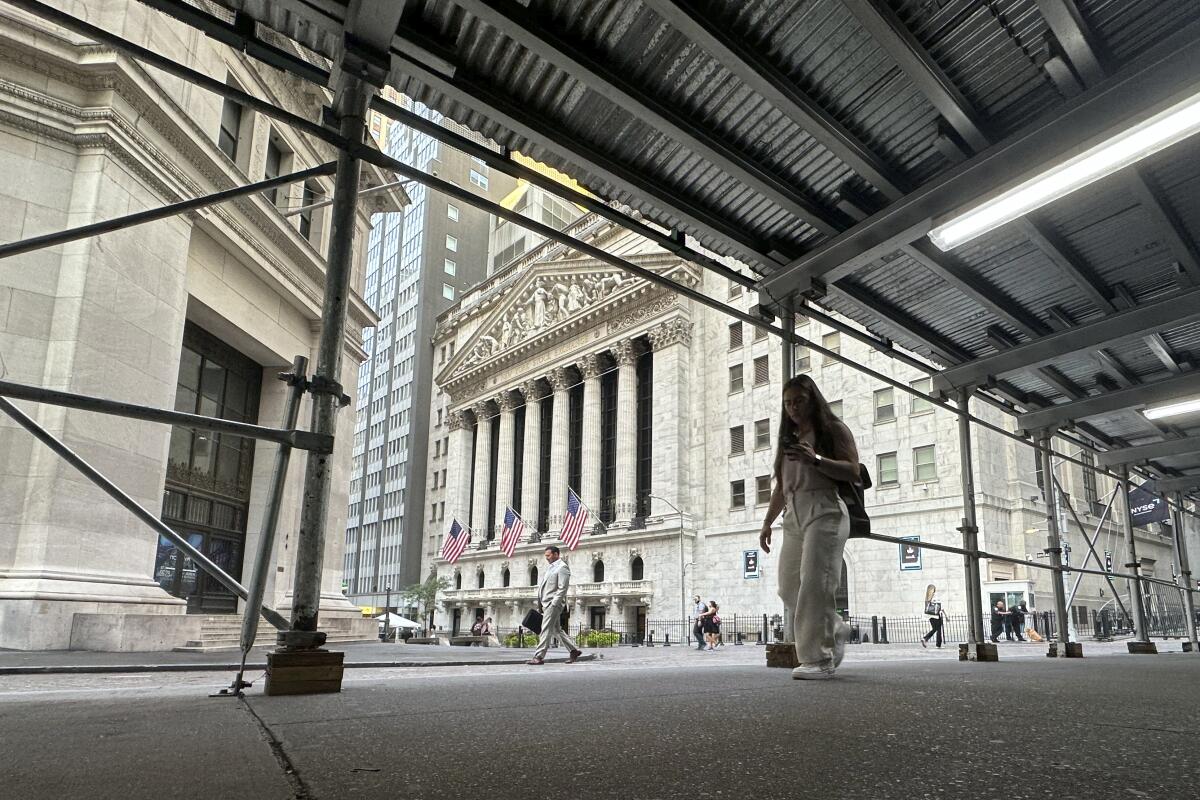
x,y
542,323
87,134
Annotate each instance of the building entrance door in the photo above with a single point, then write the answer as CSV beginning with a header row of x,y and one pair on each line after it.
x,y
640,623
207,492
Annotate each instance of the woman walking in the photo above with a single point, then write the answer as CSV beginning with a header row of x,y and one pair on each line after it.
x,y
814,452
937,616
711,623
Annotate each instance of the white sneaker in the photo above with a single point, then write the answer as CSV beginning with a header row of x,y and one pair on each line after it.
x,y
840,637
812,672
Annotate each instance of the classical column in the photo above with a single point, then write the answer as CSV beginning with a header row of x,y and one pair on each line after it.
x,y
531,461
560,383
671,342
589,492
626,357
504,466
483,470
458,470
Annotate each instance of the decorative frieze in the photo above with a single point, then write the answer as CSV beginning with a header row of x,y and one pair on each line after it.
x,y
674,331
656,307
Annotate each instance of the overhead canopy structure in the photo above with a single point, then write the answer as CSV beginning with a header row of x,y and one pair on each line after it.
x,y
819,141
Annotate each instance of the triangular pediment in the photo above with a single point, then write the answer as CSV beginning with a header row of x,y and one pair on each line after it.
x,y
546,302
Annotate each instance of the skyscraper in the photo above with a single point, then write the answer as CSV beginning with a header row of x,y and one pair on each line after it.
x,y
418,263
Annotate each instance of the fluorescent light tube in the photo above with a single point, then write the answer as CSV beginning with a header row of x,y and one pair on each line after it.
x,y
1174,409
1156,133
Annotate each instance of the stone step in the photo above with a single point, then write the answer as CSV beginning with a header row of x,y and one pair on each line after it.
x,y
216,645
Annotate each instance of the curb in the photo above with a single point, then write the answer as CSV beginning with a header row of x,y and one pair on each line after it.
x,y
97,669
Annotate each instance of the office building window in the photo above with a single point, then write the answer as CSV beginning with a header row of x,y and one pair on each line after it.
x,y
919,404
762,434
229,135
759,333
831,341
447,291
479,179
885,405
735,335
735,290
737,494
273,168
924,464
762,371
762,490
735,378
451,243
737,441
311,194
803,359
450,267
452,213
887,469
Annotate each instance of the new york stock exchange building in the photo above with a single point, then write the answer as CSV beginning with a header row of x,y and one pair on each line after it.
x,y
561,371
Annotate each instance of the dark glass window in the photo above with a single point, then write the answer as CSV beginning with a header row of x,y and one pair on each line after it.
x,y
505,577
645,431
533,576
273,168
575,449
598,572
312,194
518,451
231,124
207,490
608,446
547,420
637,569
458,580
494,462
479,578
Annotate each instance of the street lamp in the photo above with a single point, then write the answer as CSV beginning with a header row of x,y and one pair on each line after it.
x,y
682,592
387,612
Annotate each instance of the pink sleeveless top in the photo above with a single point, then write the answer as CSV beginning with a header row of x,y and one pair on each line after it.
x,y
799,476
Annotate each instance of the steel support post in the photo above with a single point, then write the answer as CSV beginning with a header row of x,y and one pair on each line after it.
x,y
326,388
787,349
977,647
1054,549
1185,571
112,490
296,379
1141,638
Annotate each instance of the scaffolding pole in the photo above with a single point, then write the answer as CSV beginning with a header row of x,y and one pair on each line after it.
x,y
1141,638
1185,572
1054,549
327,391
977,647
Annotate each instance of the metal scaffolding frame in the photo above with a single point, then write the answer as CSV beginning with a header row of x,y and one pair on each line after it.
x,y
355,80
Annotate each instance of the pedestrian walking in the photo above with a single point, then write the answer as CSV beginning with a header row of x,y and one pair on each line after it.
x,y
814,452
712,625
698,609
937,616
551,600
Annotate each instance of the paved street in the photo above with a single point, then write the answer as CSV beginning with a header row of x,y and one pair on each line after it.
x,y
643,723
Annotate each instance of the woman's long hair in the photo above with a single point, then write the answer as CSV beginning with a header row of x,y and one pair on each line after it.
x,y
821,420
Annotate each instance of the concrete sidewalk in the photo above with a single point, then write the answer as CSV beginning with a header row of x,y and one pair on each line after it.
x,y
683,725
358,655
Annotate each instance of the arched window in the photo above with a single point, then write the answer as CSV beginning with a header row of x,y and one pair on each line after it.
x,y
480,574
636,569
505,576
533,575
598,572
458,580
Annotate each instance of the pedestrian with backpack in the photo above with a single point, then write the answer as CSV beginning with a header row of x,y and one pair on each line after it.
x,y
815,456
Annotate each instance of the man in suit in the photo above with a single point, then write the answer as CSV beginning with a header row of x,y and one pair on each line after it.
x,y
551,599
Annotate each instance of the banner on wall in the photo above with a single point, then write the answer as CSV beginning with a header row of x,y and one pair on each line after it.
x,y
749,564
910,554
1145,507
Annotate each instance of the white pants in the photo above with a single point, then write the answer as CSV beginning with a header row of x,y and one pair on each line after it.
x,y
551,630
815,531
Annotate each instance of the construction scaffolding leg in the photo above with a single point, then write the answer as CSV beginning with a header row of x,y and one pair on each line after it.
x,y
1141,638
1185,573
977,647
1064,647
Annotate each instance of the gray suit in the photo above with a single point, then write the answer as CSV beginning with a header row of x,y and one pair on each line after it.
x,y
552,596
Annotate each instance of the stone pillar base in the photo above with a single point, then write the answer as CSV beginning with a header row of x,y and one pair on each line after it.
x,y
1074,650
1142,648
782,654
304,672
984,651
38,612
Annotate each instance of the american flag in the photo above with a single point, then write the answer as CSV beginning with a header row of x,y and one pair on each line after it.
x,y
511,533
456,541
575,521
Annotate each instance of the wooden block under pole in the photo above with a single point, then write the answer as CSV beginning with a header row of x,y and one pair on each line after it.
x,y
304,672
782,654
